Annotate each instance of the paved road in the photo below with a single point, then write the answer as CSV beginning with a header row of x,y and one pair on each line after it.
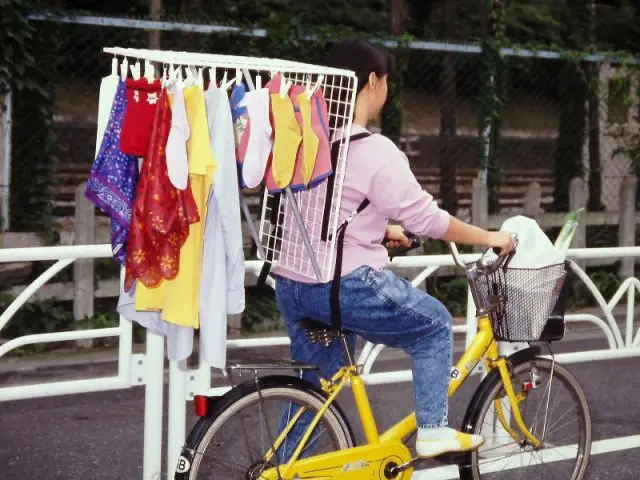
x,y
100,436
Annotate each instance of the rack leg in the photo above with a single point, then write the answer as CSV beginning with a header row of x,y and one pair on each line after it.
x,y
303,230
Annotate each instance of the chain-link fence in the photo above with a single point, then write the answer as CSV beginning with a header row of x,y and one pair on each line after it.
x,y
540,108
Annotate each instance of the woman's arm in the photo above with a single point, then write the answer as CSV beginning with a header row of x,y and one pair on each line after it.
x,y
461,232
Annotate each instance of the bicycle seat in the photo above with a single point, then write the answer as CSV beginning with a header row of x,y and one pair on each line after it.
x,y
317,331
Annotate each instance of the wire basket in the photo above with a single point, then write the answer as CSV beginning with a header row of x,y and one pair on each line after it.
x,y
520,301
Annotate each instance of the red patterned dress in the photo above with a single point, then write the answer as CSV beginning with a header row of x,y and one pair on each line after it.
x,y
161,213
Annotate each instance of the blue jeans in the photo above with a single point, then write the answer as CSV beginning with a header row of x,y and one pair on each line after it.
x,y
382,308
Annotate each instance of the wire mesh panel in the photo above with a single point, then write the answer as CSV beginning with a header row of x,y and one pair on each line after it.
x,y
281,235
296,230
521,300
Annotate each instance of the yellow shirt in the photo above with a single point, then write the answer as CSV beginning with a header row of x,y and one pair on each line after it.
x,y
179,298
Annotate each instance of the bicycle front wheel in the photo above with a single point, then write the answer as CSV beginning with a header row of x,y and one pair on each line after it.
x,y
237,440
554,409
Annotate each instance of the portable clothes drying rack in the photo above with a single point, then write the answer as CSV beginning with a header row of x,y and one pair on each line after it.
x,y
313,221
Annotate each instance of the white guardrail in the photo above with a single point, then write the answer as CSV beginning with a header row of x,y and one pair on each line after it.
x,y
148,368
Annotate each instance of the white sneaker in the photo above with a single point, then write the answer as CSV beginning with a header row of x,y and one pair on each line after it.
x,y
432,442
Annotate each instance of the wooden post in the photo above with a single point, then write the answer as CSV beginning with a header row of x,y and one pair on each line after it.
x,y
532,200
578,199
627,229
155,9
479,206
84,232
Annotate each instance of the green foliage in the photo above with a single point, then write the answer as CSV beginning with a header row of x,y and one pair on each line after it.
x,y
260,309
491,99
38,317
33,137
451,291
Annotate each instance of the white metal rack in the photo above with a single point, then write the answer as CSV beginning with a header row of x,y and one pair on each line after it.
x,y
299,216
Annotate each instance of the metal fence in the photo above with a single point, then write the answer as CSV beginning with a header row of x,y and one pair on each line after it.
x,y
548,126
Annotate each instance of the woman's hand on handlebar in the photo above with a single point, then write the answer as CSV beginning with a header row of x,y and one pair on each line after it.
x,y
395,237
502,242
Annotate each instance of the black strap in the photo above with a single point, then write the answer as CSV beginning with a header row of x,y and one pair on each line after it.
x,y
335,150
276,231
334,295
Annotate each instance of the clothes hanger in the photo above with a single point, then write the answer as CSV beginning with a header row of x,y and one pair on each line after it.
x,y
149,71
285,85
258,81
124,69
135,70
165,76
212,77
191,79
200,77
238,76
315,88
114,66
225,85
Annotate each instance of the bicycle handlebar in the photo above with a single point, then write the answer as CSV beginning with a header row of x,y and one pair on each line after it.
x,y
488,266
483,263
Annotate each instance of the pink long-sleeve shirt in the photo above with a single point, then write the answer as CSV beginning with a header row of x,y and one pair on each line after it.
x,y
378,170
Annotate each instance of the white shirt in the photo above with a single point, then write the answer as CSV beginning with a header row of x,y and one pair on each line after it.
x,y
108,90
222,282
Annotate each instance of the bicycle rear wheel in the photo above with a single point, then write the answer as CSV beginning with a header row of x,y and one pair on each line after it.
x,y
231,443
555,410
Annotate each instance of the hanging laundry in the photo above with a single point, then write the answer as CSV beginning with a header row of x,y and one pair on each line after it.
x,y
161,214
222,278
241,127
183,292
108,89
315,165
153,298
177,158
142,102
113,178
287,138
306,159
259,142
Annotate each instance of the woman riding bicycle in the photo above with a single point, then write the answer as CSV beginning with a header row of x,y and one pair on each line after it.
x,y
374,302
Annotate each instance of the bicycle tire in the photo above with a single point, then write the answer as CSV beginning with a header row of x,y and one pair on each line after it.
x,y
244,394
491,387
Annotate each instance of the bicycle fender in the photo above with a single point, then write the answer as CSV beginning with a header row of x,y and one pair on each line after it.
x,y
217,403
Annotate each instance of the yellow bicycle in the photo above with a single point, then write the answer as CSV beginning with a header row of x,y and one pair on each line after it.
x,y
281,427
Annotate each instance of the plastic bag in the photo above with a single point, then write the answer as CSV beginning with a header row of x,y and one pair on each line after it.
x,y
532,296
534,248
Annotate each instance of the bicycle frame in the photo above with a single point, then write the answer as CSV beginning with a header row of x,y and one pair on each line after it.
x,y
390,442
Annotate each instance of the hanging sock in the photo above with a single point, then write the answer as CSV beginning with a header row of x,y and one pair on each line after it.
x,y
161,214
320,124
142,102
306,158
259,143
241,126
113,178
177,159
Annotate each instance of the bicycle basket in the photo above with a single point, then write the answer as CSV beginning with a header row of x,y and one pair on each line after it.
x,y
521,301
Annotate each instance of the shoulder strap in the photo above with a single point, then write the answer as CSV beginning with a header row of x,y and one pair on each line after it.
x,y
335,150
